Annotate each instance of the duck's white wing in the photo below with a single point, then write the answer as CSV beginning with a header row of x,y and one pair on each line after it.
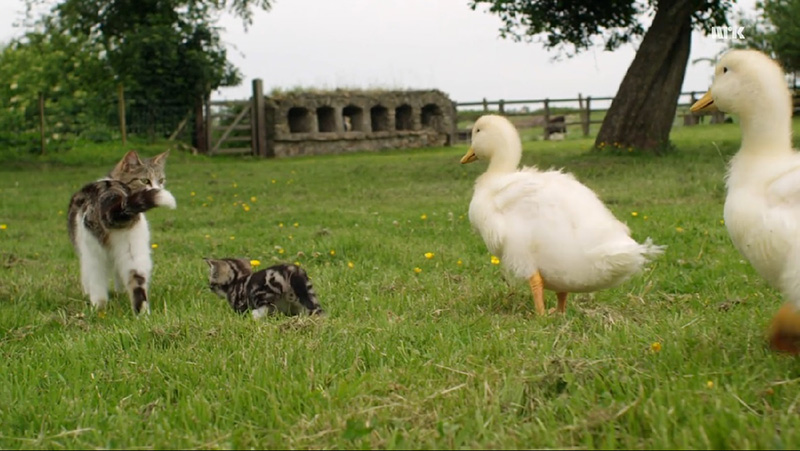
x,y
785,188
519,191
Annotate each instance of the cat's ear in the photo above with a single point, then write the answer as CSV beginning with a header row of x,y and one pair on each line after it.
x,y
130,159
209,261
160,159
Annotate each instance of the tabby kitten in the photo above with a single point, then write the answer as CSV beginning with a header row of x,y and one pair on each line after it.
x,y
285,288
109,231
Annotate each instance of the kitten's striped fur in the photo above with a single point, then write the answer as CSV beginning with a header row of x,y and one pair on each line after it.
x,y
109,231
285,288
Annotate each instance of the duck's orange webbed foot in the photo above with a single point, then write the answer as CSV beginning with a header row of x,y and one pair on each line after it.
x,y
784,331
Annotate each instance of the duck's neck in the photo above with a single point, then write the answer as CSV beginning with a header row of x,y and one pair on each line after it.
x,y
507,160
767,128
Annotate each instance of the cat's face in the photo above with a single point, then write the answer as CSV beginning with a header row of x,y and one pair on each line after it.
x,y
222,272
140,174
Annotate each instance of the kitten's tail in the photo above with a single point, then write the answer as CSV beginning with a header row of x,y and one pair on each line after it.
x,y
302,287
120,209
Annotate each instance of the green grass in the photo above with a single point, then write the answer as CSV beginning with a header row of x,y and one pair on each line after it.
x,y
450,357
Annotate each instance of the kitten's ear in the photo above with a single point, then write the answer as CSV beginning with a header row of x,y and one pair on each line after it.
x,y
209,261
130,159
160,159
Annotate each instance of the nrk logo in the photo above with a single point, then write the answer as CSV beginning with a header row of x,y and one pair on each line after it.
x,y
727,33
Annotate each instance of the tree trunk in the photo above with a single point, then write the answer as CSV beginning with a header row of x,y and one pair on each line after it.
x,y
642,113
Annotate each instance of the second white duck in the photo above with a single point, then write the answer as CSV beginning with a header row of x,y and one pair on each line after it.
x,y
545,226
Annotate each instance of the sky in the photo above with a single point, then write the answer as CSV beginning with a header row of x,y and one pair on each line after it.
x,y
411,44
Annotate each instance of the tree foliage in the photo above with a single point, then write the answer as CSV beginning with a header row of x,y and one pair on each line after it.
x,y
164,52
575,26
775,30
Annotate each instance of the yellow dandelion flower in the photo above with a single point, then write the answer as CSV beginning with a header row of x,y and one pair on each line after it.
x,y
236,203
634,214
3,226
235,185
679,229
205,204
297,263
296,224
192,194
208,236
722,221
246,207
423,216
495,260
333,252
236,195
252,198
710,384
154,246
655,347
280,224
417,270
60,212
458,263
281,251
233,237
350,265
255,263
273,181
101,314
429,255
210,198
645,217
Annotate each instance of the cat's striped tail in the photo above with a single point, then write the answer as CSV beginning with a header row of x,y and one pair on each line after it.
x,y
304,290
120,209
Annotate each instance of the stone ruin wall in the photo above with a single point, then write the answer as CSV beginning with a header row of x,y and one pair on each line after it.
x,y
347,121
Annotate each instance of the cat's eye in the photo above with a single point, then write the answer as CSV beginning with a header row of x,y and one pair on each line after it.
x,y
145,181
161,181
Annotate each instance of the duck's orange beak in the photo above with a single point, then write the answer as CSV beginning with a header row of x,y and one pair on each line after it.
x,y
469,157
784,332
706,103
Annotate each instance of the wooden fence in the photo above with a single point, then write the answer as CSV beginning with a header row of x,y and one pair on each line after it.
x,y
552,124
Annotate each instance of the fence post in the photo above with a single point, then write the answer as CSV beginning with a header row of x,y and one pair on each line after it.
x,y
580,102
587,116
209,143
41,121
257,119
121,112
547,119
485,105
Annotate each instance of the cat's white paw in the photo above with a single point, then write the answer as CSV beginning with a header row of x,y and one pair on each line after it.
x,y
259,312
165,199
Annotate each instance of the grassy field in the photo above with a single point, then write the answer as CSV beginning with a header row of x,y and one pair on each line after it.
x,y
415,352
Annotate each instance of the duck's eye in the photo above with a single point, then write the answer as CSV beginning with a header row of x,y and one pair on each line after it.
x,y
145,181
724,70
478,131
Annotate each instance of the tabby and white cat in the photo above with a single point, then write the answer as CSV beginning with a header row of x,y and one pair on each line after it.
x,y
285,288
109,231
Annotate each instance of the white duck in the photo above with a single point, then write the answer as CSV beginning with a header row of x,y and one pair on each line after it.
x,y
545,226
762,206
